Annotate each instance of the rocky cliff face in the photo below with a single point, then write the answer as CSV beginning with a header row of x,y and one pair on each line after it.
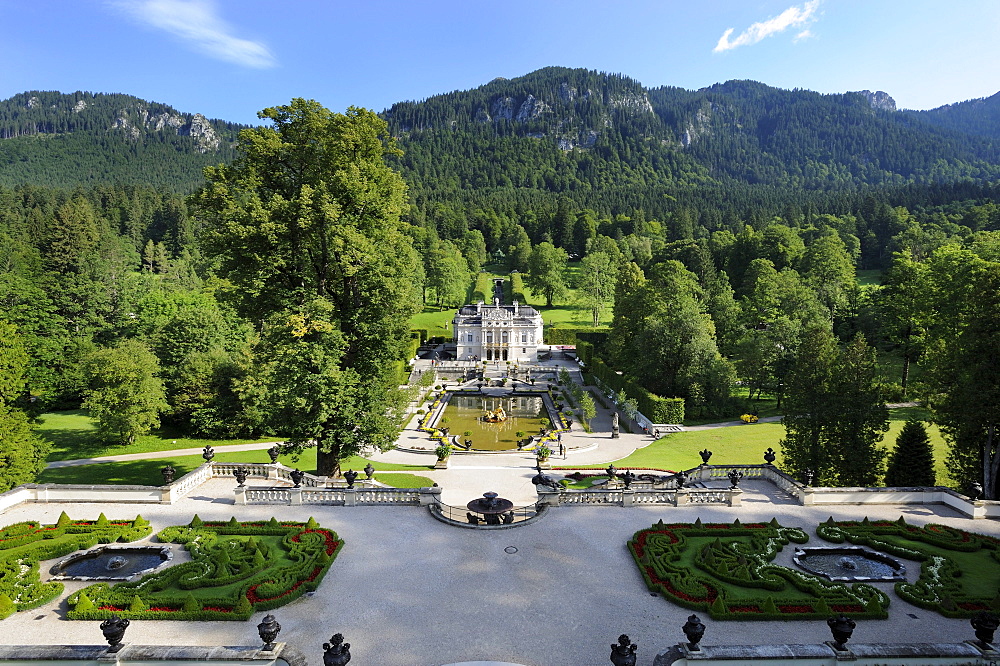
x,y
137,121
878,100
44,112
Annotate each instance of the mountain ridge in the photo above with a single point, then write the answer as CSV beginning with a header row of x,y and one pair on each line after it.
x,y
602,139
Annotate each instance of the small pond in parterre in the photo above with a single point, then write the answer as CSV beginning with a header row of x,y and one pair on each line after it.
x,y
111,563
465,412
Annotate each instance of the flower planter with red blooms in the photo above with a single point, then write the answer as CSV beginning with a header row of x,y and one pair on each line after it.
x,y
237,563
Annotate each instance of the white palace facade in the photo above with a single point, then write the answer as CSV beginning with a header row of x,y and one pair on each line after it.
x,y
497,332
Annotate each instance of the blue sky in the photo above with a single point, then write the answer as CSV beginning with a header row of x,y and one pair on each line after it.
x,y
230,58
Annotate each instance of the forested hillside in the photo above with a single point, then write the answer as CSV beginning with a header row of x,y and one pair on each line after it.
x,y
52,139
609,144
975,116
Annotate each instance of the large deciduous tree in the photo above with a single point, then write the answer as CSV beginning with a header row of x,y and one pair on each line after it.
x,y
306,220
662,335
547,272
597,283
834,414
22,453
963,364
125,394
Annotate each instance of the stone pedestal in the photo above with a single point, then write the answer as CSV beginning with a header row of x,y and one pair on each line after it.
x,y
296,494
615,433
430,496
442,464
808,498
628,497
548,496
683,496
241,495
350,496
735,497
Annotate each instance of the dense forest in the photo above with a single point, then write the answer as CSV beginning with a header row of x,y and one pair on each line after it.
x,y
718,232
52,139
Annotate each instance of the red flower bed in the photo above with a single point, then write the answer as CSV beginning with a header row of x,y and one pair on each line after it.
x,y
164,609
973,606
110,608
847,608
744,609
255,598
331,543
710,592
795,609
217,609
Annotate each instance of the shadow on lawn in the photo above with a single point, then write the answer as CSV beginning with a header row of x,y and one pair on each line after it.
x,y
136,472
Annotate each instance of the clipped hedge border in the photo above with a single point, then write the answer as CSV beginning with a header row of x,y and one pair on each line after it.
x,y
28,543
938,587
166,595
743,560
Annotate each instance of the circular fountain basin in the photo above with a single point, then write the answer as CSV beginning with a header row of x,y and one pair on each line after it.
x,y
112,563
850,563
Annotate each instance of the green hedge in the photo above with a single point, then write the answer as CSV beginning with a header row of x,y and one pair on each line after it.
x,y
237,569
421,334
656,408
941,586
726,570
23,545
566,335
482,290
517,289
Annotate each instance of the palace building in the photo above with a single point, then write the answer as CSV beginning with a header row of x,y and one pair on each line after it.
x,y
497,332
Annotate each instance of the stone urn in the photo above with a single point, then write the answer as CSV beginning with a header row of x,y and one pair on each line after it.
x,y
168,474
349,476
369,471
841,627
693,629
114,630
268,630
769,456
734,478
985,623
208,453
623,652
706,455
241,476
296,475
273,453
336,652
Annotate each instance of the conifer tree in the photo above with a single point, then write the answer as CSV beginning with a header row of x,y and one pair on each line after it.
x,y
912,461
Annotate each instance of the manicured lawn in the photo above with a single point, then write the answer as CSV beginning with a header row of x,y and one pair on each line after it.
x,y
745,444
434,320
147,472
74,435
404,480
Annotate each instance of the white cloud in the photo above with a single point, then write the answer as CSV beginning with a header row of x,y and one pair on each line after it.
x,y
805,34
198,23
790,18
